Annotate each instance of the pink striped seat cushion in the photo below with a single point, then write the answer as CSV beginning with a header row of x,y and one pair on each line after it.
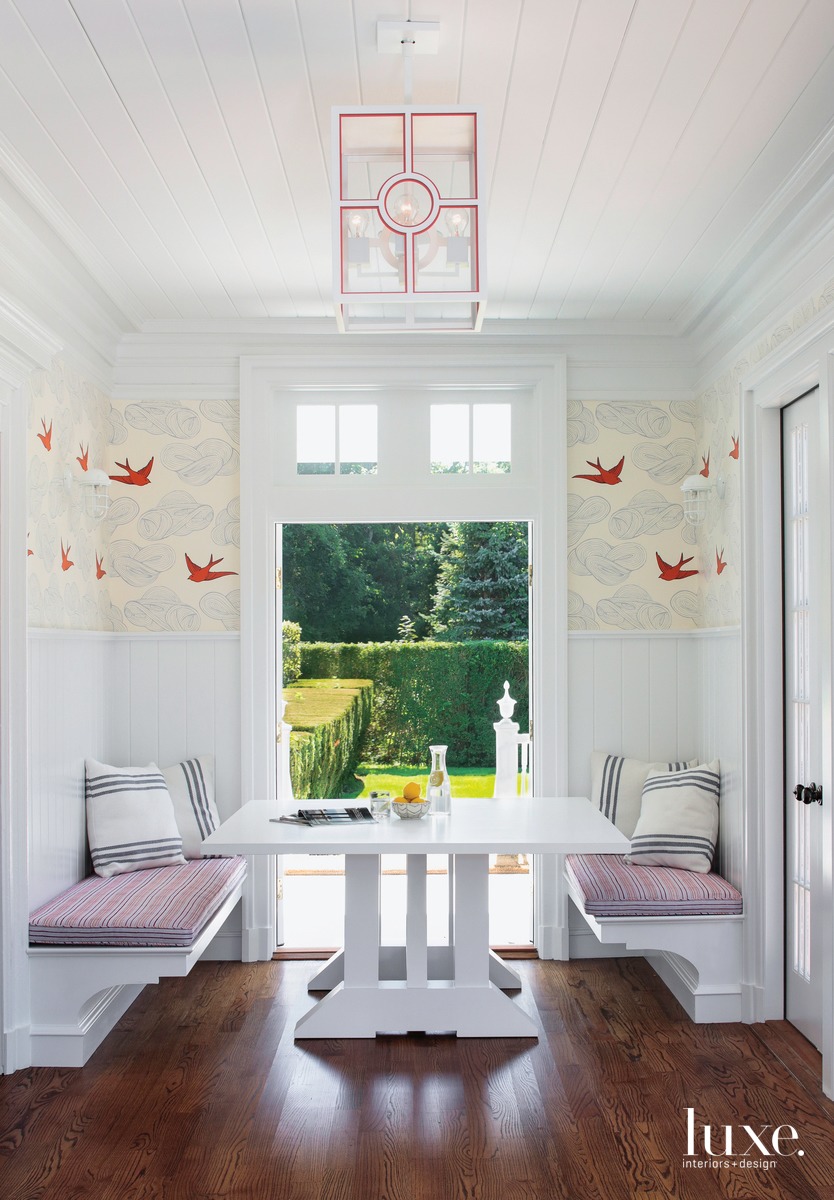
x,y
164,906
611,887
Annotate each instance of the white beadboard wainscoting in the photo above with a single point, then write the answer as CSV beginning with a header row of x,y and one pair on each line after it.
x,y
126,699
71,699
635,694
661,697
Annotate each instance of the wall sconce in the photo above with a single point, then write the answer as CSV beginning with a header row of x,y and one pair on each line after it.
x,y
695,490
95,491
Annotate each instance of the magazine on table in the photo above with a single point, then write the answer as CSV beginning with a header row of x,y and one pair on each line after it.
x,y
327,816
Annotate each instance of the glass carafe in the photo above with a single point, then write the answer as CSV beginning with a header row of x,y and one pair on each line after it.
x,y
439,791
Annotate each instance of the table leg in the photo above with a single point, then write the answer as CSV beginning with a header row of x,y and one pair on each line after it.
x,y
416,923
483,1010
361,920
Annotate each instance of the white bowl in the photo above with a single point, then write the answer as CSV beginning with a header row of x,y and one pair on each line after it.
x,y
412,810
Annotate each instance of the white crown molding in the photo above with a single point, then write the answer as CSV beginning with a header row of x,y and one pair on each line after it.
x,y
25,345
202,359
785,273
760,316
762,238
83,249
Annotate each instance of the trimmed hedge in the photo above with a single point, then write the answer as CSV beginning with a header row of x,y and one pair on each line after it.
x,y
291,651
427,692
328,718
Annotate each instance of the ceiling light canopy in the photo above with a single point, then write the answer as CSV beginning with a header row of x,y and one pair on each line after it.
x,y
407,212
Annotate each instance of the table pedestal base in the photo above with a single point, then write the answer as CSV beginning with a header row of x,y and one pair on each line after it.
x,y
416,987
392,966
394,1007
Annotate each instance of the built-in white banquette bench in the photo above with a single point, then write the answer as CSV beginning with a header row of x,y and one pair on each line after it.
x,y
663,900
97,944
687,923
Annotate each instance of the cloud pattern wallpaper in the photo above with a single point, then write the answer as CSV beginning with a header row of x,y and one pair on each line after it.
x,y
167,557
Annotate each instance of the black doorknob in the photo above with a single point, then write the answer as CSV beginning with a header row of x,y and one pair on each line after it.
x,y
808,793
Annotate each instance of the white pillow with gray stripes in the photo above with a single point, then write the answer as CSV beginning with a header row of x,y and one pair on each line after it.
x,y
678,824
191,787
617,786
130,819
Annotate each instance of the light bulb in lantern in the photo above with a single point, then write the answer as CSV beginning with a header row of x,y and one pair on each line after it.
x,y
357,223
457,221
407,211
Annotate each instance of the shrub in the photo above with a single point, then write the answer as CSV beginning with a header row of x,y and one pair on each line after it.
x,y
291,650
426,692
328,718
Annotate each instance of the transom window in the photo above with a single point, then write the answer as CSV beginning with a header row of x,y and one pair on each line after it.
x,y
471,439
336,439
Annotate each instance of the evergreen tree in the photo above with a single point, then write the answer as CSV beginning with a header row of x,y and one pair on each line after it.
x,y
354,582
482,584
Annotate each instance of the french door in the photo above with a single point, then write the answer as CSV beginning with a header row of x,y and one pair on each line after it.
x,y
804,918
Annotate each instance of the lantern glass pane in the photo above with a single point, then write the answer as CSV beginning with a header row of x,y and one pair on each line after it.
x,y
491,438
444,148
315,444
372,150
372,254
357,439
450,439
445,256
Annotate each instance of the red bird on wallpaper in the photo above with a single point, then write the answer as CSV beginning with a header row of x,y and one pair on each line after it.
x,y
100,571
720,564
705,470
203,574
606,474
84,455
137,478
29,552
734,451
46,436
66,561
669,572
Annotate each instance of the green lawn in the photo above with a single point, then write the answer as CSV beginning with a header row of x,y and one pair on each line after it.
x,y
467,781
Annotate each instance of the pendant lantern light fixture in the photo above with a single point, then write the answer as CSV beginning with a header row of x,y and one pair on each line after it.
x,y
407,208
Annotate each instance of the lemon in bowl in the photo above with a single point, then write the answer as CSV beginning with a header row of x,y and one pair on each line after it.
x,y
410,810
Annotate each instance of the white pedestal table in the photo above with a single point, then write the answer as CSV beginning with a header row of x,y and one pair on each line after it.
x,y
420,988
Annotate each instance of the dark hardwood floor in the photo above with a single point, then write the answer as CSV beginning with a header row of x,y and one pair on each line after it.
x,y
201,1093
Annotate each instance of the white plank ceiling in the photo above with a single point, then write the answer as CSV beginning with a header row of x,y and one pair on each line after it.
x,y
181,147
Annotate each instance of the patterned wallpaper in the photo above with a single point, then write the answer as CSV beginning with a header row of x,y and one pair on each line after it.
x,y
167,556
632,558
67,424
174,523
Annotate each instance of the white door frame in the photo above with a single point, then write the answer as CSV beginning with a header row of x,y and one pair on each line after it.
x,y
14,756
422,363
805,362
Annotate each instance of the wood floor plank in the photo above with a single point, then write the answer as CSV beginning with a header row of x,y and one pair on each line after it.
x,y
201,1093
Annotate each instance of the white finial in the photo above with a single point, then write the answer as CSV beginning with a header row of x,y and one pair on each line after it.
x,y
506,705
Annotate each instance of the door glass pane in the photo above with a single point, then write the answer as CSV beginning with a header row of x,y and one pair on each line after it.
x,y
450,438
315,426
491,438
357,439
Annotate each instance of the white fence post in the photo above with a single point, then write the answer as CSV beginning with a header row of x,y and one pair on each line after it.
x,y
506,748
285,781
